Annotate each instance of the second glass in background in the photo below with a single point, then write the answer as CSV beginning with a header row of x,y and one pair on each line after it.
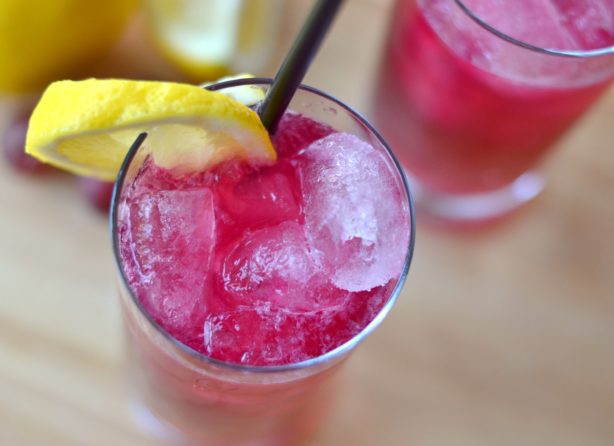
x,y
471,111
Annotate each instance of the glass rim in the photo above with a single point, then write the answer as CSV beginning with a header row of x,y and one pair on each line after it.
x,y
336,353
579,54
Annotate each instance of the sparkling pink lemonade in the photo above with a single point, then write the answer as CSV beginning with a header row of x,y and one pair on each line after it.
x,y
260,265
468,112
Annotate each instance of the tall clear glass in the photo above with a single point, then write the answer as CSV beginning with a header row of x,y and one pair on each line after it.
x,y
472,94
188,398
208,39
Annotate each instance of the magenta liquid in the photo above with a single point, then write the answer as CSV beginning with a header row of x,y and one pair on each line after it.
x,y
257,265
267,265
467,112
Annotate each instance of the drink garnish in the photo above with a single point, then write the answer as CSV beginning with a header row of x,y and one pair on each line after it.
x,y
86,127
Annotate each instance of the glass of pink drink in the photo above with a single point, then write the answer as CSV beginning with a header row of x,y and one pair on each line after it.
x,y
471,95
244,288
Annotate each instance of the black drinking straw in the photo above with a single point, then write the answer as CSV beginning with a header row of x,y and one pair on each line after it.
x,y
296,63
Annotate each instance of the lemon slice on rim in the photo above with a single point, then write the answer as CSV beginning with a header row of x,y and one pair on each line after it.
x,y
86,127
245,94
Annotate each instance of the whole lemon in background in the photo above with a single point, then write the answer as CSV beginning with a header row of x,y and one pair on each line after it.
x,y
43,40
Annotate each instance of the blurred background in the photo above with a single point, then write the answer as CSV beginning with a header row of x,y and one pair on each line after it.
x,y
502,335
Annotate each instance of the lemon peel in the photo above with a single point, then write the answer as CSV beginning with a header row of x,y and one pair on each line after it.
x,y
86,127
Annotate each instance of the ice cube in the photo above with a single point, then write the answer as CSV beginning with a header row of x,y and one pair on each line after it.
x,y
273,265
354,212
266,335
266,196
167,239
537,22
255,336
296,132
591,22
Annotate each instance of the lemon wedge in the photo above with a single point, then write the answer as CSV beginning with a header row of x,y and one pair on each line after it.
x,y
245,94
86,127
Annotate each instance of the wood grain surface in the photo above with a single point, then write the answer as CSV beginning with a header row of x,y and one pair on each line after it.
x,y
501,337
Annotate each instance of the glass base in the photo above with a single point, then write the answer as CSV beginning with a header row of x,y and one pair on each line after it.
x,y
475,209
156,429
150,425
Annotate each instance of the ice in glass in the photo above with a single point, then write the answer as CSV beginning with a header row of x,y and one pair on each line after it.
x,y
470,112
245,286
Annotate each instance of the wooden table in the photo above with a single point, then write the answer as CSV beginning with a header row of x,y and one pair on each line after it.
x,y
503,337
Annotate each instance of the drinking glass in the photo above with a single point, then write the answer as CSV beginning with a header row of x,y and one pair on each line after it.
x,y
185,397
208,39
471,109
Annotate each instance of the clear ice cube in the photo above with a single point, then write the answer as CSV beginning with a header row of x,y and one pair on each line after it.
x,y
354,213
171,237
274,264
266,335
533,21
553,24
590,21
267,196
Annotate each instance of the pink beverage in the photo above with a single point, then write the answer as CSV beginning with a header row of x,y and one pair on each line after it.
x,y
469,113
246,286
